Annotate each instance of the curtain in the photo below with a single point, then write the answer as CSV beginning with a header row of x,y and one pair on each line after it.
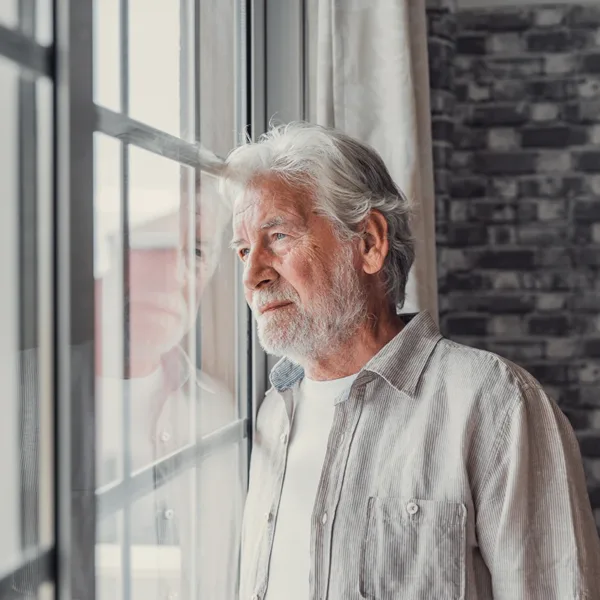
x,y
368,76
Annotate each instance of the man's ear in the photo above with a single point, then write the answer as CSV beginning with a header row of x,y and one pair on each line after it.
x,y
374,246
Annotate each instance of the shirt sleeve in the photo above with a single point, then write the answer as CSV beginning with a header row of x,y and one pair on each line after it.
x,y
534,522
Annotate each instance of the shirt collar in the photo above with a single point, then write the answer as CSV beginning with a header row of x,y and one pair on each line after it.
x,y
178,369
400,362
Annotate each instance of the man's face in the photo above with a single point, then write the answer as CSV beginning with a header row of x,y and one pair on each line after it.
x,y
165,284
300,280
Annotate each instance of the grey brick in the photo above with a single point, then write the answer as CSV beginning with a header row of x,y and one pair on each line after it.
x,y
507,326
589,372
551,210
586,301
503,138
584,16
544,111
549,325
527,211
595,231
454,259
553,161
589,444
468,187
442,102
583,111
441,24
467,281
586,324
497,20
588,162
549,17
587,210
587,257
506,280
555,256
591,348
588,88
549,41
509,89
505,43
467,235
579,419
507,259
562,348
546,280
442,128
513,68
505,114
554,186
466,325
505,163
471,44
590,63
492,212
502,234
442,155
549,373
502,187
441,181
459,210
589,396
557,136
467,138
538,234
548,89
518,351
559,64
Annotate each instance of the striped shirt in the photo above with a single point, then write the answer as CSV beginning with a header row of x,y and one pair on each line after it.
x,y
449,475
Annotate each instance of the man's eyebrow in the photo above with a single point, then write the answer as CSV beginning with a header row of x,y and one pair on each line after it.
x,y
275,222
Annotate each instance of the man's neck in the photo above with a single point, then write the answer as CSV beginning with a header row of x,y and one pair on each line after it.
x,y
352,355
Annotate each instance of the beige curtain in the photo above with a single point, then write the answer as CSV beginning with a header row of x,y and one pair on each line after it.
x,y
368,76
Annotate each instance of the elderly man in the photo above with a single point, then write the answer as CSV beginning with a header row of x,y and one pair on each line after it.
x,y
388,461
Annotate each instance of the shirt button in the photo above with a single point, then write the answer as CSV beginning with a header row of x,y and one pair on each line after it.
x,y
165,436
412,508
168,514
324,518
268,517
284,438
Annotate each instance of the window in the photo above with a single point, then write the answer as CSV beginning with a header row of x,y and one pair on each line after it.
x,y
125,340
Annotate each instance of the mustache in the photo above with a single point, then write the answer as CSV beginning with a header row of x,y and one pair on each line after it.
x,y
262,297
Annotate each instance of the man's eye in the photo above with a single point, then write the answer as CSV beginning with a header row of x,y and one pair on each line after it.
x,y
243,252
279,236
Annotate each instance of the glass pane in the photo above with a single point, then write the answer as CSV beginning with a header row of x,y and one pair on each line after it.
x,y
45,199
10,511
107,49
221,74
108,272
155,63
9,13
44,26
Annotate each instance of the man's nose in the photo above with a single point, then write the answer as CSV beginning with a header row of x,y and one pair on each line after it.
x,y
258,272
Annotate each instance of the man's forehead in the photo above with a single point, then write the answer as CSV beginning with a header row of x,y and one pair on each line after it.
x,y
269,198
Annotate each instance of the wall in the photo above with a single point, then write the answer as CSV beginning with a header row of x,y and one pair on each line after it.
x,y
518,197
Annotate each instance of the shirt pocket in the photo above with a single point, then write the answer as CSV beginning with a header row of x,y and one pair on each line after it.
x,y
413,548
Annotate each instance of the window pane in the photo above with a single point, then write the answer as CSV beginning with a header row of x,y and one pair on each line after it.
x,y
107,60
10,511
9,13
26,429
154,52
44,26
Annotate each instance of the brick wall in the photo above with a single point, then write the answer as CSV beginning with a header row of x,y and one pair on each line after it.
x,y
519,202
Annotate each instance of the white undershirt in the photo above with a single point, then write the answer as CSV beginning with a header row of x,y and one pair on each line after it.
x,y
313,418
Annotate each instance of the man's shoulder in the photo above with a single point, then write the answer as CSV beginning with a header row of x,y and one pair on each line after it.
x,y
479,371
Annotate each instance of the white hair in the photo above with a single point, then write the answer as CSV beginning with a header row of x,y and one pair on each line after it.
x,y
347,179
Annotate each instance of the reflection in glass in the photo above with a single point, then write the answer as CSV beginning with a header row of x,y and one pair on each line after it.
x,y
154,54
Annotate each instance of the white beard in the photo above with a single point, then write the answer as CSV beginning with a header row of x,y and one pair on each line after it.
x,y
298,332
